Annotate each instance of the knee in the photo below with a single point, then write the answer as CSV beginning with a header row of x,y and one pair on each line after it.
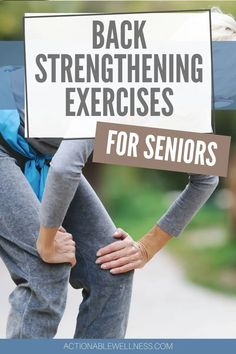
x,y
118,280
89,275
49,274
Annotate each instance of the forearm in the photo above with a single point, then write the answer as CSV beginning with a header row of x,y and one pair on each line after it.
x,y
194,196
180,213
59,192
63,180
125,255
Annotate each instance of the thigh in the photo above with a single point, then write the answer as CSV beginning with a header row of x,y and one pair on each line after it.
x,y
38,301
19,207
104,310
19,223
92,228
88,219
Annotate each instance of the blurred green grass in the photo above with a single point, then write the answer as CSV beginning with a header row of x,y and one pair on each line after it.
x,y
133,202
213,267
136,200
12,12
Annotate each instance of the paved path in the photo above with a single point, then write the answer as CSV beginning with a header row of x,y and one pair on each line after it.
x,y
164,305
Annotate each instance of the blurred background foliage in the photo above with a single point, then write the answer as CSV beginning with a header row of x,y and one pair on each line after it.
x,y
136,198
11,12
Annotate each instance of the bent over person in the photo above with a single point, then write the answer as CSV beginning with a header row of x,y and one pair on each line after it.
x,y
38,301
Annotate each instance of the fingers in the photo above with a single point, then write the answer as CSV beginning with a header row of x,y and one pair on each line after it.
x,y
120,234
68,253
72,259
68,236
63,236
127,267
120,262
68,248
61,229
65,248
121,256
115,246
68,257
67,242
124,252
62,250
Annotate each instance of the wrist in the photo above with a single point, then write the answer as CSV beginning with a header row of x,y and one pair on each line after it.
x,y
46,236
44,248
143,251
153,241
45,241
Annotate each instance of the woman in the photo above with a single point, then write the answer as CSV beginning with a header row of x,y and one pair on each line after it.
x,y
126,255
38,301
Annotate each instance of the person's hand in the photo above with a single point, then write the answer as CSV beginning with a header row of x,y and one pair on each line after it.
x,y
122,256
60,250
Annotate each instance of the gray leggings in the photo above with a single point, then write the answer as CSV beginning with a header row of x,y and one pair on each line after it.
x,y
38,301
